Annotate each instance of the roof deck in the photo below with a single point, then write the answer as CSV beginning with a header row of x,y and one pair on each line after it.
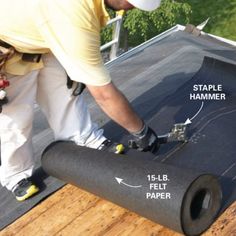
x,y
72,211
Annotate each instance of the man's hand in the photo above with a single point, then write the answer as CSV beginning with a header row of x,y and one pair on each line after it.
x,y
117,107
145,140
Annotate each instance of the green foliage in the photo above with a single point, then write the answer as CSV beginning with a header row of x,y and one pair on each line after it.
x,y
106,33
222,15
140,26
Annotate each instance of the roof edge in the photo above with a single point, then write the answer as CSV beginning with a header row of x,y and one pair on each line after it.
x,y
146,44
228,41
160,37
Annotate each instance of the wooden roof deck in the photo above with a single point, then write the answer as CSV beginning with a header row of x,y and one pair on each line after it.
x,y
72,211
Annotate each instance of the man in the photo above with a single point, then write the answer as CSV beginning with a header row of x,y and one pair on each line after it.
x,y
53,38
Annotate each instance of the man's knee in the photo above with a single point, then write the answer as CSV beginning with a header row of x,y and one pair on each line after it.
x,y
17,117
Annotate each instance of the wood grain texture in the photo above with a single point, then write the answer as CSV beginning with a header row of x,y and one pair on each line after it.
x,y
72,211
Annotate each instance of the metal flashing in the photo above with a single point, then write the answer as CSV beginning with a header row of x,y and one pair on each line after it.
x,y
146,44
160,37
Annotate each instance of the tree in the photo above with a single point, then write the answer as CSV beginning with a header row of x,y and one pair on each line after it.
x,y
139,26
222,14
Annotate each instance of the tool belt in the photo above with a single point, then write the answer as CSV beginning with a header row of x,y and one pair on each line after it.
x,y
29,57
6,52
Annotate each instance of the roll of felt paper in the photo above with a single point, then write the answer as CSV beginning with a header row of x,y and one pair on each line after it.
x,y
181,199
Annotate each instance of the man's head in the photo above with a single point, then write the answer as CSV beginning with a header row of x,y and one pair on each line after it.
x,y
146,5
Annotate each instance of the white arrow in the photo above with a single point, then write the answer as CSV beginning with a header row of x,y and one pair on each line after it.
x,y
189,120
120,181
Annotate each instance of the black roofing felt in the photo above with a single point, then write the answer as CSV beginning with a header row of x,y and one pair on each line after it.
x,y
159,87
157,79
212,143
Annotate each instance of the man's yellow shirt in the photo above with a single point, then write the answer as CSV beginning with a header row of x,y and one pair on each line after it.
x,y
70,29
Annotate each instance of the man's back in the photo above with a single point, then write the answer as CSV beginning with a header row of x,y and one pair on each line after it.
x,y
17,26
21,20
70,29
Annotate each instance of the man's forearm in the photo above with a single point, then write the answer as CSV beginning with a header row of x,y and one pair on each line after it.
x,y
116,106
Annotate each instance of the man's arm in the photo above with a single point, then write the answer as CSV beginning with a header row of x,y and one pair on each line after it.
x,y
116,106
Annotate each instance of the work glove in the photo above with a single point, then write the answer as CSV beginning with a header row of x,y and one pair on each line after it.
x,y
145,140
79,87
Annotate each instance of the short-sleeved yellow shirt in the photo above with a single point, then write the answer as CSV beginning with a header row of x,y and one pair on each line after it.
x,y
70,29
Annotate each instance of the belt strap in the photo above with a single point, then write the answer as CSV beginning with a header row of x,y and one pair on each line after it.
x,y
4,44
28,57
31,57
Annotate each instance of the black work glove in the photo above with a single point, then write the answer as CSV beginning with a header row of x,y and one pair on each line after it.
x,y
145,140
79,87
